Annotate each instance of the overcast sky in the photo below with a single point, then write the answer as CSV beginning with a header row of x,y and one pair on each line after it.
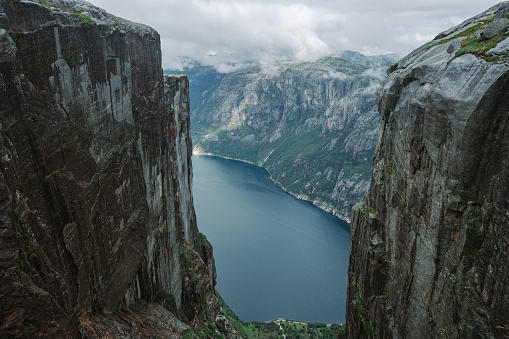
x,y
226,32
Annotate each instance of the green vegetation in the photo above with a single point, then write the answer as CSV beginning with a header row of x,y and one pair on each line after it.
x,y
478,48
271,330
85,18
473,45
295,158
48,6
369,210
302,139
293,330
389,169
202,333
186,260
363,314
360,308
466,32
26,238
298,330
469,31
203,238
187,264
233,318
342,331
263,330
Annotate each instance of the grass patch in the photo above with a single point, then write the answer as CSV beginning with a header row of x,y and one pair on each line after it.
x,y
363,314
268,330
390,170
84,18
360,308
342,331
472,45
467,32
203,238
187,263
241,327
371,210
27,249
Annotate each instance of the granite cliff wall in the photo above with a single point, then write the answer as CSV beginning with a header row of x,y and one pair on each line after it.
x,y
430,240
98,235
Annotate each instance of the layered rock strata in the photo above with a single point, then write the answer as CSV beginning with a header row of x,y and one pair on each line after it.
x,y
430,241
98,235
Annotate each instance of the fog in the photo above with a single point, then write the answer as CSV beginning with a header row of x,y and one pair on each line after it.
x,y
230,33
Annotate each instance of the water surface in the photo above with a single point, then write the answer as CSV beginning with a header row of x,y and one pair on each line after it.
x,y
276,256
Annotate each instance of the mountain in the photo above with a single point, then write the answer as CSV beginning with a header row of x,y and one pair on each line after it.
x,y
98,236
312,125
430,239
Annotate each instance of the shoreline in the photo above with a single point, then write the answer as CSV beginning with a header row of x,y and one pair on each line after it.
x,y
279,320
323,207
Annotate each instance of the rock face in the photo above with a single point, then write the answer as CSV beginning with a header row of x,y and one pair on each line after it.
x,y
430,241
312,125
98,235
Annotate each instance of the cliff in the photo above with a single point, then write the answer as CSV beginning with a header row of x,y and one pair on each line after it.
x,y
312,125
430,240
98,235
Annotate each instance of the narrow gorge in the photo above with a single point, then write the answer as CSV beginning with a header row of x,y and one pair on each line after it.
x,y
98,233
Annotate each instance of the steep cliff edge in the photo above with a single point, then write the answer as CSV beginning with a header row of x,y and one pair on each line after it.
x,y
430,240
98,235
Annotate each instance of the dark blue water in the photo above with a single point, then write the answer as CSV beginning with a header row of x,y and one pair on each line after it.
x,y
276,256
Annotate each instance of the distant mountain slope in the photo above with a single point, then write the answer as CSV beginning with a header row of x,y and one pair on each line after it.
x,y
312,125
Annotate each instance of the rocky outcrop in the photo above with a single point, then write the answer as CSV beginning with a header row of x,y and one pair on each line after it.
x,y
430,240
98,235
312,125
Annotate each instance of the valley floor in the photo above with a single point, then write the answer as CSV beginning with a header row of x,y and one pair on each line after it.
x,y
282,328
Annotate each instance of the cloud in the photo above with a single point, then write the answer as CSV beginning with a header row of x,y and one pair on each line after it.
x,y
230,33
337,76
378,73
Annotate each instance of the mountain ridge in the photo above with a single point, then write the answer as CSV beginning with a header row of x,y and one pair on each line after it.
x,y
295,116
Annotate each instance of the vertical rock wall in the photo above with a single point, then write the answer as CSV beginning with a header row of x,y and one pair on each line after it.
x,y
95,181
430,241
